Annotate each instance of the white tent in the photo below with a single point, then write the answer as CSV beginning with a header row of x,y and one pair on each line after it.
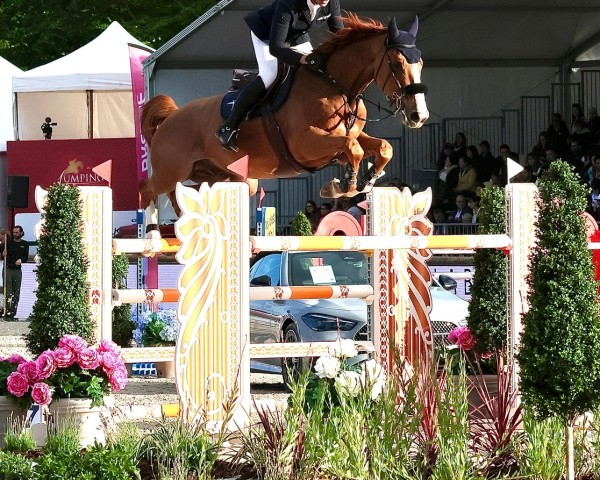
x,y
7,70
87,93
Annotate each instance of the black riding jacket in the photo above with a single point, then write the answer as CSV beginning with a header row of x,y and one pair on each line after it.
x,y
285,23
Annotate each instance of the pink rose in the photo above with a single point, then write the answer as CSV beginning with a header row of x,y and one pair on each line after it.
x,y
118,378
110,361
109,346
46,365
74,342
16,358
452,336
29,369
88,359
17,384
466,341
64,357
41,394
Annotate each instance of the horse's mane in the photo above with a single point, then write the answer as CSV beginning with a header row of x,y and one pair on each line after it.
x,y
355,29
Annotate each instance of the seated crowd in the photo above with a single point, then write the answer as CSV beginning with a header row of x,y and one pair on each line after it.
x,y
463,170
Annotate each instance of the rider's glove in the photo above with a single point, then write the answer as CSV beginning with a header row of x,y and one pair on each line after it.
x,y
315,62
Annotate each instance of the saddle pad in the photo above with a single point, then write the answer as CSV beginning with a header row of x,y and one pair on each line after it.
x,y
274,99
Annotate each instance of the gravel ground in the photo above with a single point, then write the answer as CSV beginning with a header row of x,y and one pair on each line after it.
x,y
143,396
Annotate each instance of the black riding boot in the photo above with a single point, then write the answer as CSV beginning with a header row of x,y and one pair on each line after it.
x,y
247,98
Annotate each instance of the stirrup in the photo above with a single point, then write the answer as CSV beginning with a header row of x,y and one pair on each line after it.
x,y
227,136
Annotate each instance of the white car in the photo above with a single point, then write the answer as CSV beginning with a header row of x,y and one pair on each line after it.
x,y
325,319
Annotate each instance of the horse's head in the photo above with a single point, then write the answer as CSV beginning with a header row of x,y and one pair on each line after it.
x,y
399,75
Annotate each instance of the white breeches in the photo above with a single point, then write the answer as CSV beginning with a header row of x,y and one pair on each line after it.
x,y
267,63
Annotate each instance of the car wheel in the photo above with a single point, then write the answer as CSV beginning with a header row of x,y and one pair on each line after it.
x,y
292,366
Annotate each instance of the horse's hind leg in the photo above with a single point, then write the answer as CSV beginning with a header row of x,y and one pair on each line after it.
x,y
382,151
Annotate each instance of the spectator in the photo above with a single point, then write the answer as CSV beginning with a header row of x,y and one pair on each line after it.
x,y
473,156
15,253
577,116
524,176
558,134
577,158
593,172
444,154
461,209
467,218
467,177
594,123
446,182
582,134
474,205
312,214
501,162
460,147
438,220
593,207
539,149
355,209
487,162
535,163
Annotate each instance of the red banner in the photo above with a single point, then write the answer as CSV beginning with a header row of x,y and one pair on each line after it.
x,y
137,55
72,161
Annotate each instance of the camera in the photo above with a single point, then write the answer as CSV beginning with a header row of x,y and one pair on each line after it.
x,y
47,127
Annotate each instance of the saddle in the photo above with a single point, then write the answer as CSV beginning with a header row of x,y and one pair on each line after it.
x,y
273,100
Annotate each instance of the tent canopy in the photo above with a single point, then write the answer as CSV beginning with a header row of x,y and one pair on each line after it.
x,y
87,93
452,33
102,64
7,70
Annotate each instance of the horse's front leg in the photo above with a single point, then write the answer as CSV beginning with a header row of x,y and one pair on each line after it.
x,y
382,151
321,145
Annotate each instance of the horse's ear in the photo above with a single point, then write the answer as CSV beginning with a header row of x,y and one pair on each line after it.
x,y
414,28
393,31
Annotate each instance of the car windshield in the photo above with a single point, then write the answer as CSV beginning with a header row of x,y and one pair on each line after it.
x,y
328,268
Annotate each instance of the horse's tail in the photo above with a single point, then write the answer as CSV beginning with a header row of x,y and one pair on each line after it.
x,y
154,113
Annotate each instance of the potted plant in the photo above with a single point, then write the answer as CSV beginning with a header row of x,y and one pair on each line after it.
x,y
158,329
558,356
61,306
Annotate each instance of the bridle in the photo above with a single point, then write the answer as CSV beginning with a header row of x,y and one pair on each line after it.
x,y
352,112
411,89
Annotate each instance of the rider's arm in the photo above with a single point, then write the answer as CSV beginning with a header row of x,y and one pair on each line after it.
x,y
278,47
335,21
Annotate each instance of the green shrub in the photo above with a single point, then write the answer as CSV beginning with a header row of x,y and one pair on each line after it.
x,y
61,306
15,467
488,307
301,225
122,325
560,366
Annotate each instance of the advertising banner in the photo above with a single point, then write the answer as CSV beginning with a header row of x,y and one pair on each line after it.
x,y
137,55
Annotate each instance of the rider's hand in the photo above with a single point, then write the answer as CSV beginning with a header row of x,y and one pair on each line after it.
x,y
315,62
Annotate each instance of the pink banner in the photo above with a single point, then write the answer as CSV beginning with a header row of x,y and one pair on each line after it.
x,y
137,55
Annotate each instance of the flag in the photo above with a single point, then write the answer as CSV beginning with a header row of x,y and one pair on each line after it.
x,y
240,167
104,170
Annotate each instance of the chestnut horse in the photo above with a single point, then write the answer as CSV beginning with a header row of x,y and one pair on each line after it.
x,y
322,120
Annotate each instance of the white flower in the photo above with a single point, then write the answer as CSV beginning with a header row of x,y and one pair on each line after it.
x,y
349,383
373,376
343,348
327,367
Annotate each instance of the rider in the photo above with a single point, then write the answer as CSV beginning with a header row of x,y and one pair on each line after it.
x,y
279,32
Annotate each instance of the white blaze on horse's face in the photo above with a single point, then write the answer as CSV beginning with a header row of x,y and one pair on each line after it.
x,y
420,113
